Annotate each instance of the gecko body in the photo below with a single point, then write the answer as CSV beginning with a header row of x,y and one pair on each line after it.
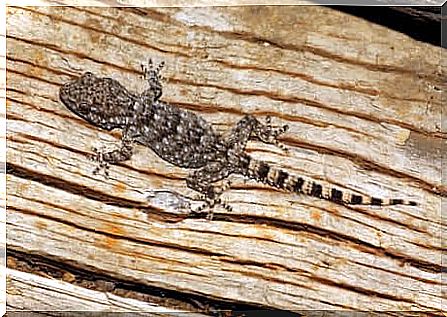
x,y
185,139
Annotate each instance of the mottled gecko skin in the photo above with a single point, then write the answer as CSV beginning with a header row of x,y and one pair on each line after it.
x,y
184,139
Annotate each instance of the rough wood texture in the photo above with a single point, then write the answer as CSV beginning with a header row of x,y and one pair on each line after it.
x,y
364,107
27,290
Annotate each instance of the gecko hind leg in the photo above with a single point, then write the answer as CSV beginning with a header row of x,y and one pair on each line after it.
x,y
203,180
251,128
269,134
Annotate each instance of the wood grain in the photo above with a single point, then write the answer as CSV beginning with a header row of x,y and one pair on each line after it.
x,y
28,290
364,108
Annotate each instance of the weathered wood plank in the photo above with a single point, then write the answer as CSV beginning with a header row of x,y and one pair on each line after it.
x,y
28,290
364,115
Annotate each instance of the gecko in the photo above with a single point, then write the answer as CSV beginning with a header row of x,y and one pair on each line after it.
x,y
184,139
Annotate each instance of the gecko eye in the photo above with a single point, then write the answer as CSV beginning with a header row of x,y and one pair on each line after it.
x,y
87,77
65,87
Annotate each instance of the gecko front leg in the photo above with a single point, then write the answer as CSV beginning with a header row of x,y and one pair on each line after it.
x,y
104,158
154,78
122,153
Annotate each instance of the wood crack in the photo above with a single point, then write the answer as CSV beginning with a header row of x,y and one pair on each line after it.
x,y
93,279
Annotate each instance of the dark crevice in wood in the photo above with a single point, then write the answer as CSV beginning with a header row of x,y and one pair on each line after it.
x,y
41,265
92,279
254,263
70,187
420,23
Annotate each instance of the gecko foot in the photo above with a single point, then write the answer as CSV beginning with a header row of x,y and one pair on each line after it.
x,y
104,157
213,200
102,166
155,80
269,134
209,205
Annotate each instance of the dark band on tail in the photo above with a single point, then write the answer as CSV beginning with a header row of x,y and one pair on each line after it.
x,y
376,201
316,190
298,185
336,195
263,171
282,176
356,199
278,178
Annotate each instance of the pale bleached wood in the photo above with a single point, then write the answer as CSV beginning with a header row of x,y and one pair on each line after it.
x,y
363,104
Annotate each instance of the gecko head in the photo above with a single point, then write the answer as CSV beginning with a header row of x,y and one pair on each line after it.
x,y
89,97
77,95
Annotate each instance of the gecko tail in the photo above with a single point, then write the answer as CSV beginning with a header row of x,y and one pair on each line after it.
x,y
278,178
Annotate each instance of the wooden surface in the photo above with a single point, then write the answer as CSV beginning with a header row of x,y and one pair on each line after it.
x,y
27,290
364,108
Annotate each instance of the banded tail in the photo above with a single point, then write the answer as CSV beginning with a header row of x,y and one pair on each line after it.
x,y
278,178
